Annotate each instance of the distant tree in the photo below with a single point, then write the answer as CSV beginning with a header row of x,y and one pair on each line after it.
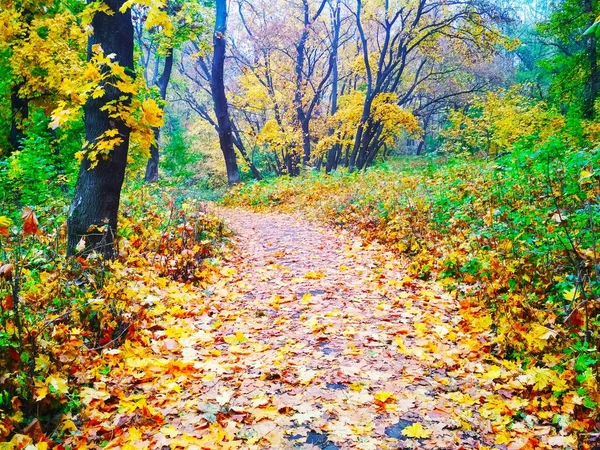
x,y
160,31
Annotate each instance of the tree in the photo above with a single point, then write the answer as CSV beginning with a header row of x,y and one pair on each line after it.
x,y
41,45
93,213
217,86
404,57
570,63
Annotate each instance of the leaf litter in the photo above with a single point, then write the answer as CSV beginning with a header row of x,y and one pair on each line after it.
x,y
309,338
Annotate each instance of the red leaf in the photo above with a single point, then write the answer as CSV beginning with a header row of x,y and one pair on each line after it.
x,y
30,222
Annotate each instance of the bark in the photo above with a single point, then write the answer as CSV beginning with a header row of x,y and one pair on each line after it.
x,y
162,83
93,212
302,119
217,87
304,115
368,97
152,164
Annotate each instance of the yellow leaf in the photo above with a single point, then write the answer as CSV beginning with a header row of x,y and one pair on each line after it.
x,y
571,294
58,383
416,430
236,339
314,275
40,393
384,396
169,431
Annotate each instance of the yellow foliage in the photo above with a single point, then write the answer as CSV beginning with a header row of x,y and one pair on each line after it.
x,y
384,111
497,121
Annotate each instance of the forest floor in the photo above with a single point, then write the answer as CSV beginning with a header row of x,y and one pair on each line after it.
x,y
309,339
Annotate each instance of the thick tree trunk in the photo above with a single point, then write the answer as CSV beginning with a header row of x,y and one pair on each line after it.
x,y
217,86
593,85
93,212
162,83
19,112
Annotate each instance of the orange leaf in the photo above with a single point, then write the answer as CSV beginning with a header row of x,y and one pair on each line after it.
x,y
30,222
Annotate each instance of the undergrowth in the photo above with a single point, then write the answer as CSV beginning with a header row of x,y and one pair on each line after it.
x,y
58,315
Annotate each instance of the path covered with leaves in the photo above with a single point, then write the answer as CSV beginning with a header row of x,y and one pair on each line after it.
x,y
307,339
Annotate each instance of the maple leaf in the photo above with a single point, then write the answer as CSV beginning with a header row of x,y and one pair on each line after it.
x,y
416,430
384,396
236,339
58,383
30,222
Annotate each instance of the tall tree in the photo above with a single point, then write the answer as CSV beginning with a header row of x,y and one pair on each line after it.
x,y
217,86
592,87
162,83
93,212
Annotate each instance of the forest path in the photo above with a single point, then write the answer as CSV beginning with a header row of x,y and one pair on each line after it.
x,y
304,338
355,350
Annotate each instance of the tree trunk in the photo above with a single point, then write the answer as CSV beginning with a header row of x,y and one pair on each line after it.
x,y
217,86
334,150
593,84
239,144
152,165
19,112
305,125
162,83
93,212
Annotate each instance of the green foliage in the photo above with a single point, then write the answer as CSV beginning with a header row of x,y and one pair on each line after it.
x,y
566,69
176,153
44,170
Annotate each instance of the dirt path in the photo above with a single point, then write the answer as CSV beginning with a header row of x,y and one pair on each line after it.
x,y
308,340
357,351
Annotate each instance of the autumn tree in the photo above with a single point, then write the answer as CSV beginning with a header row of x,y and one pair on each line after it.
x,y
195,66
282,87
92,221
402,58
41,46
